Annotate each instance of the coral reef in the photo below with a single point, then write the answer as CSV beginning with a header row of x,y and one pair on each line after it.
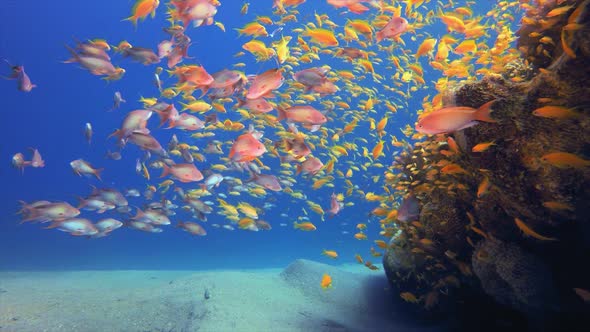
x,y
513,220
512,276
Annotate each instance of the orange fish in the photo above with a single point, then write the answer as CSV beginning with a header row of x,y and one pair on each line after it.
x,y
142,9
183,172
304,226
530,232
264,83
555,112
326,281
330,253
322,37
481,147
565,160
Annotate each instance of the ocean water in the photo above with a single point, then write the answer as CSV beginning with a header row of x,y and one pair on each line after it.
x,y
52,116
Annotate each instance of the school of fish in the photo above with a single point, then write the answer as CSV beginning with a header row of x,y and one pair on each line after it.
x,y
294,126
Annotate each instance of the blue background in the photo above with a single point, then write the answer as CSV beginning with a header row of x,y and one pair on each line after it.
x,y
52,117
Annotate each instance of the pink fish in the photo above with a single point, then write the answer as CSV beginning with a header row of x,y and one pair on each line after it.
x,y
326,88
18,161
409,209
354,6
154,217
140,54
393,29
167,112
117,100
335,205
199,76
311,77
165,48
225,78
256,106
303,114
451,119
44,211
183,172
23,81
200,12
266,181
147,142
265,83
246,148
142,226
96,66
37,160
92,50
186,122
192,228
109,195
95,204
107,225
82,167
75,226
310,166
134,121
297,147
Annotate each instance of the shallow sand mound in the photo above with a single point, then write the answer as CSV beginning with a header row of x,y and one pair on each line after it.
x,y
250,300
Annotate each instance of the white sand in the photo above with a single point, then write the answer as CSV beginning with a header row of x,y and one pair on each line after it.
x,y
250,300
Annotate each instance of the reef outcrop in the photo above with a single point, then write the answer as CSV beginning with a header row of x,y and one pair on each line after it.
x,y
512,221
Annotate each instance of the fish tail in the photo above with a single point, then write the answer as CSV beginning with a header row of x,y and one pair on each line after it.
x,y
165,170
379,36
97,173
282,114
133,20
73,53
484,112
117,133
82,203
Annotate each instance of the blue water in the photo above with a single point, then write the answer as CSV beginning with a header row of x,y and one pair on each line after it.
x,y
51,118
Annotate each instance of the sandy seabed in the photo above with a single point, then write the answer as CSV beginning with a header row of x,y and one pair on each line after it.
x,y
289,299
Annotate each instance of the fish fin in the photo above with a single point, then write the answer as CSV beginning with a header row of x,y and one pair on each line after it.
x,y
54,224
483,113
467,125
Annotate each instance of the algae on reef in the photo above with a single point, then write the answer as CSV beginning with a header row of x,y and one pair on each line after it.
x,y
471,242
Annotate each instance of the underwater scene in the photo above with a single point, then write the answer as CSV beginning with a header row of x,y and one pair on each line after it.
x,y
295,165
